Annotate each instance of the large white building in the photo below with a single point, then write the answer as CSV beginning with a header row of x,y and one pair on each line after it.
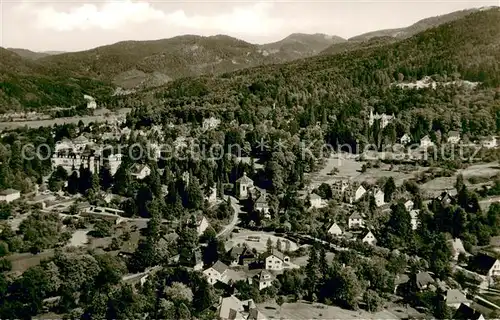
x,y
275,260
73,162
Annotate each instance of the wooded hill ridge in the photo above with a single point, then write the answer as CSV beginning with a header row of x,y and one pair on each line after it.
x,y
31,84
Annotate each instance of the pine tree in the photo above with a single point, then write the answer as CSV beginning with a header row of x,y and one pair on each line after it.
x,y
269,245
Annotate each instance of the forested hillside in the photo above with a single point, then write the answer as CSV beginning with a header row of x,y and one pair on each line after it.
x,y
339,89
25,85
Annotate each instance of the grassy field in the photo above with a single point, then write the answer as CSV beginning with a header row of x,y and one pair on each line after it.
x,y
242,237
302,310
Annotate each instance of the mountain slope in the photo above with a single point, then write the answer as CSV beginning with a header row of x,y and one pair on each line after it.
x,y
28,54
26,84
133,63
300,45
422,25
352,45
469,47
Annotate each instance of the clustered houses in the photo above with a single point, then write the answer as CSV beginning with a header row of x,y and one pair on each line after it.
x,y
269,263
232,308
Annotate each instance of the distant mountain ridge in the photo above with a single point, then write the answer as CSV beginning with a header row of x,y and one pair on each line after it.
x,y
419,26
33,55
300,45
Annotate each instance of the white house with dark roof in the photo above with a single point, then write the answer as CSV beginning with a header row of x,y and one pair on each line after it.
x,y
261,204
244,186
275,260
264,279
140,171
370,239
335,230
217,272
10,195
356,221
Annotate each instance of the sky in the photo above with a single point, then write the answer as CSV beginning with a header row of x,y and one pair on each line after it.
x,y
74,25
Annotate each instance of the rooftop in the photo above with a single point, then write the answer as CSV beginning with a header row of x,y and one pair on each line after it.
x,y
7,192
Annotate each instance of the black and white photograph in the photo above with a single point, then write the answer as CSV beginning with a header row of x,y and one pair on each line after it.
x,y
249,159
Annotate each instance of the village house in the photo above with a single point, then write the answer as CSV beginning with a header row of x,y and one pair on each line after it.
x,y
339,185
335,230
64,145
426,142
10,195
489,142
91,104
445,199
275,260
409,205
422,281
264,279
201,224
244,186
487,267
356,221
379,198
370,239
140,171
315,200
453,137
465,312
454,298
457,247
261,204
242,255
414,218
405,139
217,272
212,195
354,192
232,308
80,143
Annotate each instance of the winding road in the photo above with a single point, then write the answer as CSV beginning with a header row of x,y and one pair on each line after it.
x,y
237,210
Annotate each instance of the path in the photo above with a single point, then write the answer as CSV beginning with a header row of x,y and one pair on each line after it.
x,y
237,210
487,302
